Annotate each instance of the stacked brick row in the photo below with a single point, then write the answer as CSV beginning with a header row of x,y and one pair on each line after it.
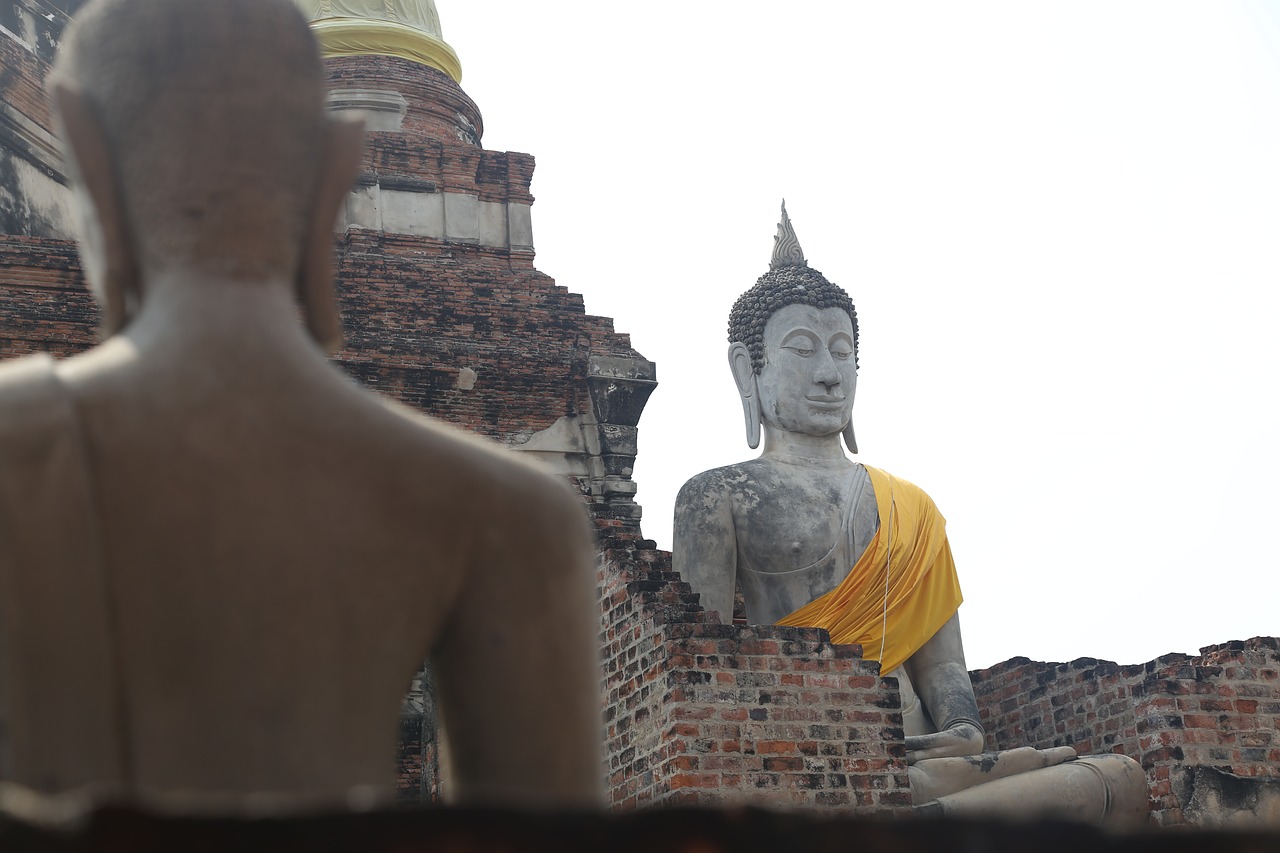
x,y
46,308
703,713
1220,709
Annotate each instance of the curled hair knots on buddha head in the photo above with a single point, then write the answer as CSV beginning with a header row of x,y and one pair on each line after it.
x,y
795,284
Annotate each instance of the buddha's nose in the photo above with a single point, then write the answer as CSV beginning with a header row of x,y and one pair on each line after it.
x,y
825,372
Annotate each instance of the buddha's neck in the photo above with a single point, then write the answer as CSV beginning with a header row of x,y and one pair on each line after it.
x,y
192,315
780,444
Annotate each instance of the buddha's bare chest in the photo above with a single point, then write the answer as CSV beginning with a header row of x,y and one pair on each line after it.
x,y
798,536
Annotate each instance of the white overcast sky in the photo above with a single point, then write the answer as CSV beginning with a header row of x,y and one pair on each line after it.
x,y
1060,222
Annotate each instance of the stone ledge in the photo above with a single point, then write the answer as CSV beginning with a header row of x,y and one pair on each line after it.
x,y
679,829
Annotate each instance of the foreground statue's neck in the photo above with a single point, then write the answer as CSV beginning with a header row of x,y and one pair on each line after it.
x,y
783,445
225,333
192,310
208,340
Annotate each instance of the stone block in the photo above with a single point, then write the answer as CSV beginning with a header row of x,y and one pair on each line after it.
x,y
491,226
416,213
461,217
519,226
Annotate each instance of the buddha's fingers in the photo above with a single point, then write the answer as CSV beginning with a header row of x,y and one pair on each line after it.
x,y
957,741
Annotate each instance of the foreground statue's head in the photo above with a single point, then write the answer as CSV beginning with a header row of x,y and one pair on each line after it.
x,y
793,348
200,149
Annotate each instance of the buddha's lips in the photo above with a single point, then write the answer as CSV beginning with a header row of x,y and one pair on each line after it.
x,y
822,398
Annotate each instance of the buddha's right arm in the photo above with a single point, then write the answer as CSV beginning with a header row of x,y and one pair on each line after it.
x,y
705,551
518,665
941,680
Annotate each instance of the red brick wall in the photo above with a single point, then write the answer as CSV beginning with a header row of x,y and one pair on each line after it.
x,y
702,713
1219,709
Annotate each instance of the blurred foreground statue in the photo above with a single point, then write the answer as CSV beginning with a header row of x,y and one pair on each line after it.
x,y
815,539
221,561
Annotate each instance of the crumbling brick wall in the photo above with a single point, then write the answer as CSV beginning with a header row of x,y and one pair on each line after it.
x,y
418,311
698,712
1219,709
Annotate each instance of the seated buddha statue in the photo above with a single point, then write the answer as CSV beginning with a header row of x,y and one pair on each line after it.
x,y
222,560
816,539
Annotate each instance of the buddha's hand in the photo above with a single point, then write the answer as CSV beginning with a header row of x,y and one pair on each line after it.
x,y
961,738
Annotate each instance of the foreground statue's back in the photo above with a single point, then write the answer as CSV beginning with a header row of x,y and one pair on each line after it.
x,y
815,539
221,561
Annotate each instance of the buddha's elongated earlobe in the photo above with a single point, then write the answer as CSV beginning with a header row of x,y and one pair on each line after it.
x,y
748,389
315,273
849,441
106,250
751,417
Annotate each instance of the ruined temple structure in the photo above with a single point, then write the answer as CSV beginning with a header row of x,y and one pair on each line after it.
x,y
444,309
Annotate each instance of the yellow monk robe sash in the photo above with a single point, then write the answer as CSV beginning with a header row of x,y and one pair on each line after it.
x,y
923,592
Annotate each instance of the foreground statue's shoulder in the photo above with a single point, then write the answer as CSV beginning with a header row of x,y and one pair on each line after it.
x,y
521,607
19,374
31,397
484,474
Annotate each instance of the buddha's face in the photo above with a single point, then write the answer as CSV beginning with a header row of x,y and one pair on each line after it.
x,y
809,373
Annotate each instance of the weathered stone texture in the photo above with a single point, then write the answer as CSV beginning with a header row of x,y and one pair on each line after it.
x,y
1219,709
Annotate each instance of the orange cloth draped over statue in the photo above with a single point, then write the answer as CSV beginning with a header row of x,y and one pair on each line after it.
x,y
923,590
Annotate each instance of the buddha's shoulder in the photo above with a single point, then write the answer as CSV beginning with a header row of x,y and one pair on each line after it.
x,y
732,483
900,487
727,477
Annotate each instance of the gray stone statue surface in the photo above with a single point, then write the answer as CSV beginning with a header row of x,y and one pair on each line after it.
x,y
816,539
221,560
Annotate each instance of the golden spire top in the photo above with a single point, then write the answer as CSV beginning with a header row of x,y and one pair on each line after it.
x,y
409,29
